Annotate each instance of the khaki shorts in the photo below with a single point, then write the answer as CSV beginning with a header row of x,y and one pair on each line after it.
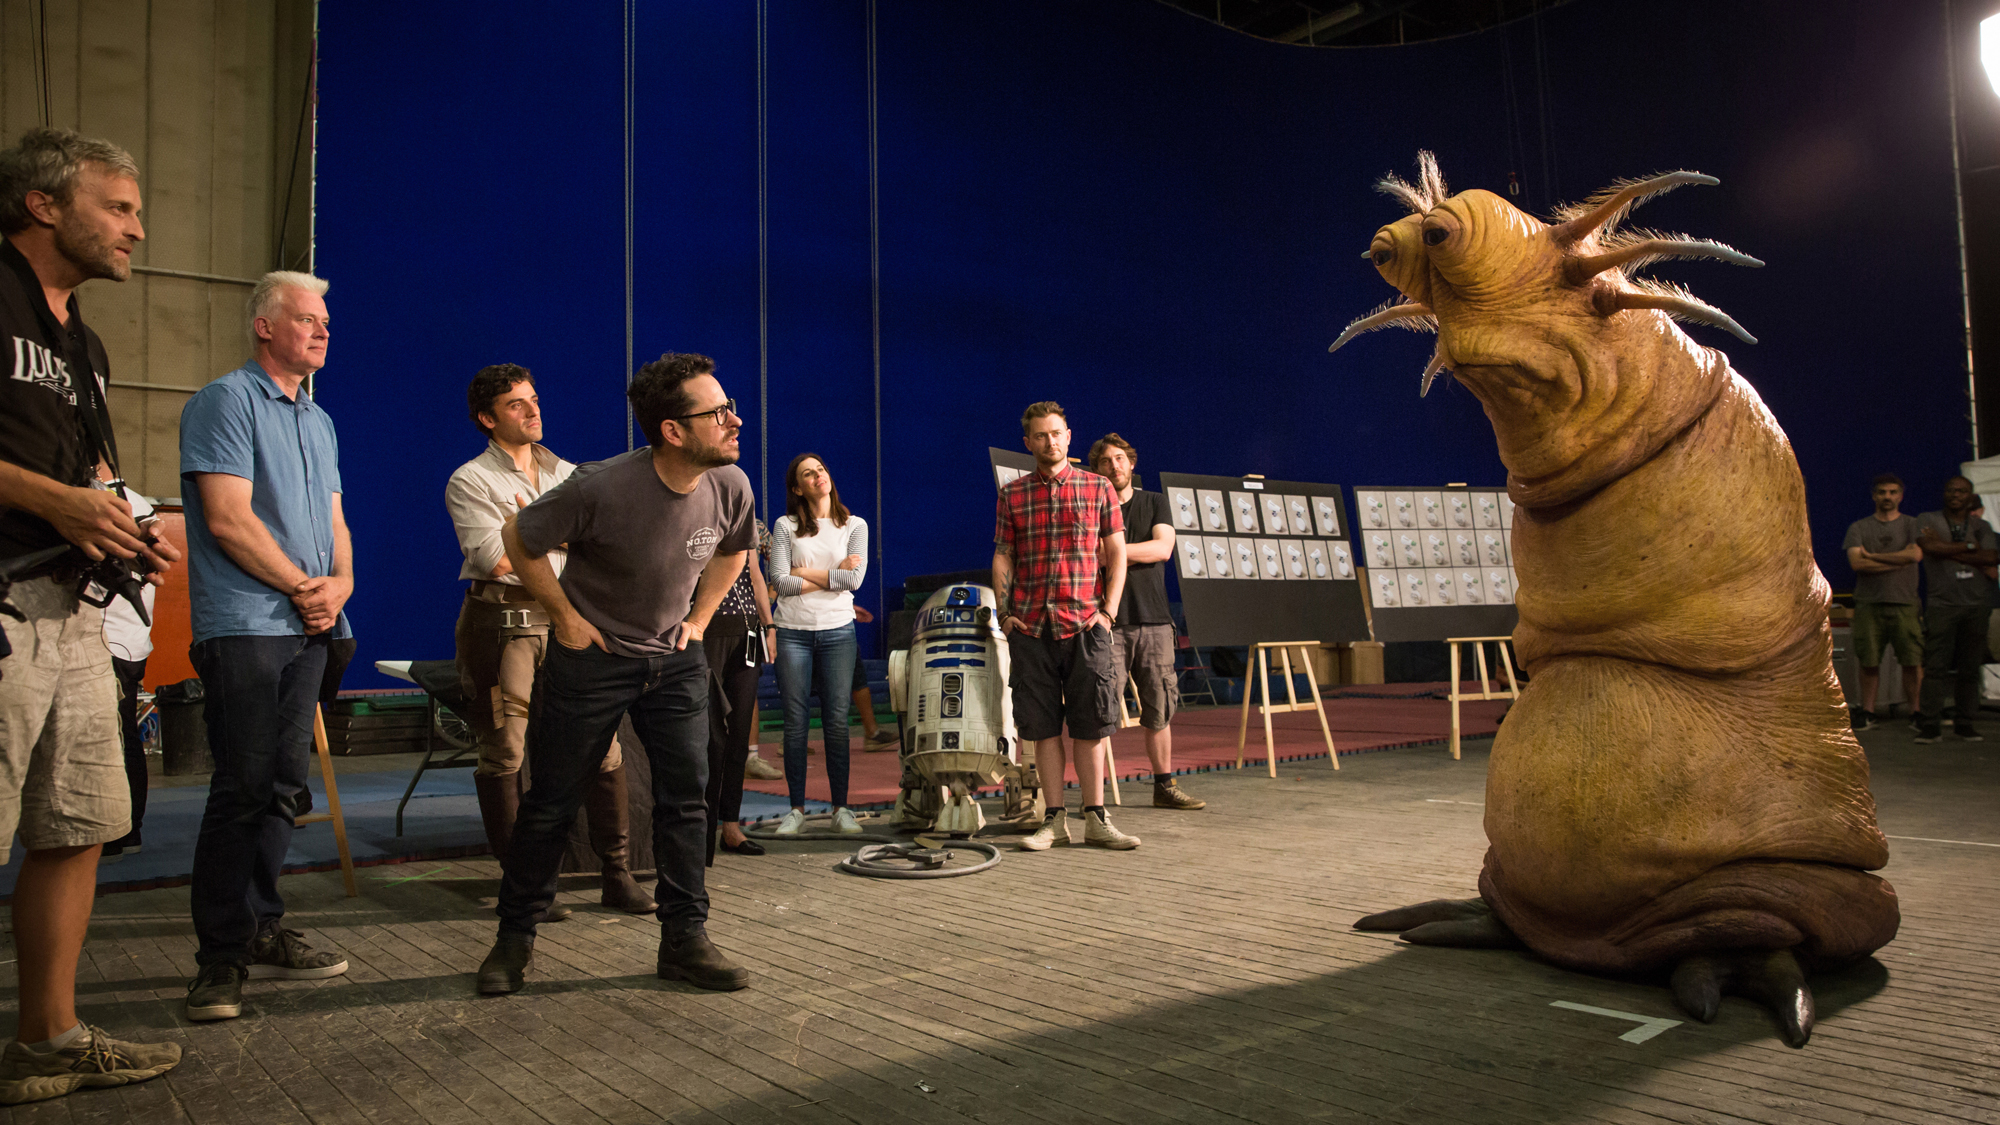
x,y
62,759
1879,625
1147,655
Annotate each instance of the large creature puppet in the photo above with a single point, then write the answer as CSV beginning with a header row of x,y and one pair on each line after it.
x,y
1678,788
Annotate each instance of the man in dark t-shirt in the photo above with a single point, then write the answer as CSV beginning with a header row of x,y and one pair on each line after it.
x,y
648,533
1145,630
1882,549
1958,600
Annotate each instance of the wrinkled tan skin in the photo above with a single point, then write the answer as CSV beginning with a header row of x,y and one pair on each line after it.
x,y
1680,775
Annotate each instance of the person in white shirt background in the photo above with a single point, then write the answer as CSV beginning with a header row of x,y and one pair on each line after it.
x,y
819,555
131,642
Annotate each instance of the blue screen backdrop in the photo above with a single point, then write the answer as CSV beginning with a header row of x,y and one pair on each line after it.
x,y
1152,220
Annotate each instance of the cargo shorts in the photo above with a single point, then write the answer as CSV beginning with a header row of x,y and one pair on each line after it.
x,y
1146,652
62,756
1071,681
1880,625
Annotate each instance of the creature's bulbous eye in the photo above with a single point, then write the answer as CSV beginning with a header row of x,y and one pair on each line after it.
x,y
1435,235
1382,257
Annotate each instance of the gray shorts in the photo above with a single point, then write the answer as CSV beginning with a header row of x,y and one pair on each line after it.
x,y
1147,654
62,758
1073,681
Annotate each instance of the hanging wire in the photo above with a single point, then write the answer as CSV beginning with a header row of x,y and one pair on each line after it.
x,y
875,301
42,63
763,270
292,169
1551,186
1517,152
630,55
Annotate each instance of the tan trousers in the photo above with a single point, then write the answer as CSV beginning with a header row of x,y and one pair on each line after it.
x,y
488,661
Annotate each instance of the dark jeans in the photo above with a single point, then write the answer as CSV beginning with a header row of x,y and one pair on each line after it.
x,y
130,673
822,660
259,710
1954,650
579,698
732,715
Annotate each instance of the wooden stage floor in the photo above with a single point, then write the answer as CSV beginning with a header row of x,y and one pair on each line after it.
x,y
1209,976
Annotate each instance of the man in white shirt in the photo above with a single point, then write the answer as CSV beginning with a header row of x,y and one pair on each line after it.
x,y
503,633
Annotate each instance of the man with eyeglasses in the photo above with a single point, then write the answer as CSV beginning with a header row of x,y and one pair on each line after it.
x,y
1055,529
647,533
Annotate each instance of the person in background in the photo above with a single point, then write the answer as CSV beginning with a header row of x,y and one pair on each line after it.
x,y
131,642
874,739
69,208
1145,628
1958,602
819,555
1882,550
739,638
754,765
270,568
502,635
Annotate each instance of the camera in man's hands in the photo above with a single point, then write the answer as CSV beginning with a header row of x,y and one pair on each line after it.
x,y
117,578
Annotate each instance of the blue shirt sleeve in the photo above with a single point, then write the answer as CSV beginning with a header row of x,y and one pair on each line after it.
x,y
218,433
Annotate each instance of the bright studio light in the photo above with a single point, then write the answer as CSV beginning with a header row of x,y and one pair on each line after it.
x,y
1989,49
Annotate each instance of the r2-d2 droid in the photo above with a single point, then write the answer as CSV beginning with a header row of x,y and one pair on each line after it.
x,y
950,691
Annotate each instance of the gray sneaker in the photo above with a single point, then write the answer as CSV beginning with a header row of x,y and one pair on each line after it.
x,y
94,1060
1054,830
216,993
758,769
1099,832
281,954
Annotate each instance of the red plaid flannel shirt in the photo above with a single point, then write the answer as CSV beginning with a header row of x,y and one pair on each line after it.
x,y
1050,530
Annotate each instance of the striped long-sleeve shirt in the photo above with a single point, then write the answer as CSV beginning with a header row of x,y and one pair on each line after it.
x,y
821,609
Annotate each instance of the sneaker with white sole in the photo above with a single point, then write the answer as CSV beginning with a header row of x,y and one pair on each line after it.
x,y
281,954
1099,832
757,769
845,824
1054,830
95,1059
791,824
882,740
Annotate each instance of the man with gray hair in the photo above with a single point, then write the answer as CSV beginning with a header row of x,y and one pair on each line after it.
x,y
69,208
270,568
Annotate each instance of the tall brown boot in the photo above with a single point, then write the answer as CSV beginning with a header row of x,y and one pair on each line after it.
x,y
610,838
499,803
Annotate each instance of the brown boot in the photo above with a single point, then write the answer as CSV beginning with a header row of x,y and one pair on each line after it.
x,y
610,838
499,802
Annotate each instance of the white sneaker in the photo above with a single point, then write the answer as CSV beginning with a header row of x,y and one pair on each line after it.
x,y
1099,832
758,769
790,825
1053,831
845,824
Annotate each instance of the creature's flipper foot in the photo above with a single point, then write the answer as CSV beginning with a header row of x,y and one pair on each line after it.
x,y
1467,923
1770,977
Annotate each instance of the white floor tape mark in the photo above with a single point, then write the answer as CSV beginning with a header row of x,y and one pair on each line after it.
x,y
1648,1025
1934,840
1442,801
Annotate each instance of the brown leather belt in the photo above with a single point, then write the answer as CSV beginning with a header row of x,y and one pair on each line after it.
x,y
484,591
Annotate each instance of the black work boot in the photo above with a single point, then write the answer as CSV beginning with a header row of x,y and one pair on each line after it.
x,y
611,839
695,959
505,968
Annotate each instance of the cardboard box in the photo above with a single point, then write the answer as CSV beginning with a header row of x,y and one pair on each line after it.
x,y
1364,663
1330,665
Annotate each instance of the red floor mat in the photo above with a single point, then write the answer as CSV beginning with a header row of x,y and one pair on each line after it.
x,y
1403,715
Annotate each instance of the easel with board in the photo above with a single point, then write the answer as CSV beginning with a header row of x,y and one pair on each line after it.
x,y
1261,654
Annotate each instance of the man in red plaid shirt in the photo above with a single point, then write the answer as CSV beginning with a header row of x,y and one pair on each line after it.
x,y
1056,529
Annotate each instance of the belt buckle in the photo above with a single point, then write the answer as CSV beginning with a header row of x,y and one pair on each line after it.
x,y
507,619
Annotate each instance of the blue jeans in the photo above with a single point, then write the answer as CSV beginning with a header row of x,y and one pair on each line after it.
x,y
259,711
821,659
579,698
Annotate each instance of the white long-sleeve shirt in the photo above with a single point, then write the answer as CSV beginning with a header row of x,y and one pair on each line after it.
x,y
793,608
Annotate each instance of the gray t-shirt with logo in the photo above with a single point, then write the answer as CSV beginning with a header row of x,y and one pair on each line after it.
x,y
1952,582
637,547
1899,586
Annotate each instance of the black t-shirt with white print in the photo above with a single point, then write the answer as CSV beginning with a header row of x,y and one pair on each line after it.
x,y
43,365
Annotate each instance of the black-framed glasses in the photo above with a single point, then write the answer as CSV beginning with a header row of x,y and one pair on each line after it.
x,y
728,407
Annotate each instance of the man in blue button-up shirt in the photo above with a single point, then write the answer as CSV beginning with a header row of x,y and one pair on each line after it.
x,y
270,568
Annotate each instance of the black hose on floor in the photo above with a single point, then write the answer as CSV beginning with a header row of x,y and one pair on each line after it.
x,y
891,857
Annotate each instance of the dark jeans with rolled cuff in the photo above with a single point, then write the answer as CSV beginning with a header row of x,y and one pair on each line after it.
x,y
259,710
1955,655
579,698
732,715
